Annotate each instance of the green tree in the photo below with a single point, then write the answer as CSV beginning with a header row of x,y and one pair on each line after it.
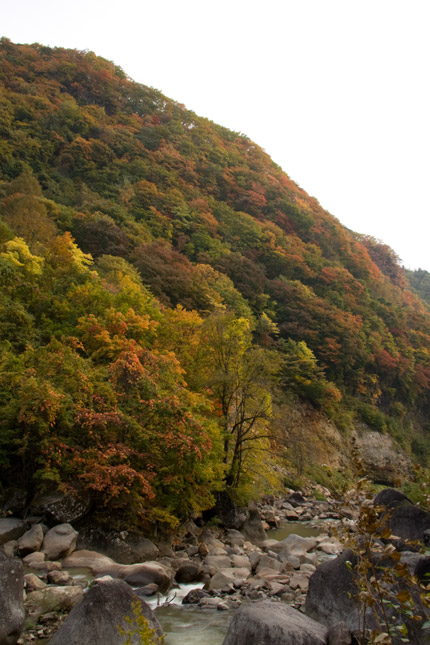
x,y
302,374
241,381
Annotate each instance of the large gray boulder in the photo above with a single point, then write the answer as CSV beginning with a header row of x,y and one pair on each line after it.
x,y
136,575
31,540
59,542
332,591
339,634
97,563
13,501
141,549
295,545
103,609
227,511
273,623
60,508
218,561
253,529
12,614
408,521
128,551
33,558
44,601
234,538
188,571
390,497
33,583
222,581
333,597
404,519
11,528
145,573
124,547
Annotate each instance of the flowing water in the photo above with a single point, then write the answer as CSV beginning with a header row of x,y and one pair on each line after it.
x,y
189,624
304,529
192,625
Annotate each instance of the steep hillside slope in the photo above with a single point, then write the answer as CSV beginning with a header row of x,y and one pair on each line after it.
x,y
224,241
419,281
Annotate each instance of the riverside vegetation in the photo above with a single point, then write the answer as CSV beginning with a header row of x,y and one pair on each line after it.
x,y
170,299
139,626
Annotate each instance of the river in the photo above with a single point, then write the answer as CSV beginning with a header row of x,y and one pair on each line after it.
x,y
193,625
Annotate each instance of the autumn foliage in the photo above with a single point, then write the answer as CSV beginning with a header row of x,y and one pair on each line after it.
x,y
162,283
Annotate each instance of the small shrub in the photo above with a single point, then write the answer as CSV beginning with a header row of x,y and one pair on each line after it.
x,y
418,491
139,626
320,497
372,416
421,449
391,600
328,477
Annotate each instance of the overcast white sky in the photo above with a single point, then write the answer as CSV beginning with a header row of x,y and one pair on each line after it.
x,y
336,91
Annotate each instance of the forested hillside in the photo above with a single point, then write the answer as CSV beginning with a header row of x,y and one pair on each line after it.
x,y
419,281
168,293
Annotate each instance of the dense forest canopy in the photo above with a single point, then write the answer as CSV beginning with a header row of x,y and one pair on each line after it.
x,y
167,291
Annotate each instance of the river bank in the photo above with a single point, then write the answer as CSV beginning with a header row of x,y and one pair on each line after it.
x,y
214,580
229,566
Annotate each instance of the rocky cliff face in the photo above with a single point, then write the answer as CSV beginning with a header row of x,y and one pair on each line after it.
x,y
385,462
314,439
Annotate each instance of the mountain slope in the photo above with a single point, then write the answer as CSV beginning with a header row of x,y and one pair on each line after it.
x,y
211,224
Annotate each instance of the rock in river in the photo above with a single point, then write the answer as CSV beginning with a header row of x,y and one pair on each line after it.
x,y
12,613
102,611
273,623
